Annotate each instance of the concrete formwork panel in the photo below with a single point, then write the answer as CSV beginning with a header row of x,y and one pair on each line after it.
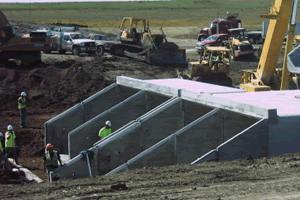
x,y
133,107
284,136
161,154
254,142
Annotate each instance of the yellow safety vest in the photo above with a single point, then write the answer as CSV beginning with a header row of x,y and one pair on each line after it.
x,y
104,132
20,106
11,141
1,148
53,161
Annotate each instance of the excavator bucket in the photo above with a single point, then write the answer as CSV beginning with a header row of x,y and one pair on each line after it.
x,y
167,53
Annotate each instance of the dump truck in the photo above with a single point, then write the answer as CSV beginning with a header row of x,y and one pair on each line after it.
x,y
220,25
213,67
27,48
145,46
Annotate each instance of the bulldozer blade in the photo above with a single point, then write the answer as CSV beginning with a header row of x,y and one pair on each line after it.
x,y
167,57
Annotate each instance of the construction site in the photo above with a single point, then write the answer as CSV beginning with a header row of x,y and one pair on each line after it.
x,y
187,123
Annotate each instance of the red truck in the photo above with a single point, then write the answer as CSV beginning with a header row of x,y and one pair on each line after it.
x,y
220,25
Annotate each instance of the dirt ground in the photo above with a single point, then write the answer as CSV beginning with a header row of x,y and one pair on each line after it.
x,y
61,81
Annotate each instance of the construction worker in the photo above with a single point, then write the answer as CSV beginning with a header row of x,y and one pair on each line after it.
x,y
10,144
106,130
51,159
2,156
22,108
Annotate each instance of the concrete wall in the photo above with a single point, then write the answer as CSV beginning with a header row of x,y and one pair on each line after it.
x,y
284,136
119,115
253,141
57,129
77,167
199,137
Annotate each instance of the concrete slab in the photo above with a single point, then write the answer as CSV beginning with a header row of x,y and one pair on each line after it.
x,y
286,102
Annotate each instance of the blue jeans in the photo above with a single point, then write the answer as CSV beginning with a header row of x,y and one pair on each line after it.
x,y
22,116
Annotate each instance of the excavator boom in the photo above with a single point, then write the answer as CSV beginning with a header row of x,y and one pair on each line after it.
x,y
3,20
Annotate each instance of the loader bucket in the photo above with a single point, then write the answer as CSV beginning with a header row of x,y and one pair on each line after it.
x,y
167,54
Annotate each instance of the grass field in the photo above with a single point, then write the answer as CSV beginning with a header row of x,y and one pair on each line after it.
x,y
180,13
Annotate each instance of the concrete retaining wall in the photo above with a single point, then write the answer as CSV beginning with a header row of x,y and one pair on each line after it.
x,y
57,129
253,141
119,115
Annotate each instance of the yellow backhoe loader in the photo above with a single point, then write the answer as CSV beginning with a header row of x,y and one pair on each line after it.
x,y
145,46
282,15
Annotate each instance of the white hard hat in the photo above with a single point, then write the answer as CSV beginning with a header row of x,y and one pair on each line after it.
x,y
9,127
1,134
107,123
23,94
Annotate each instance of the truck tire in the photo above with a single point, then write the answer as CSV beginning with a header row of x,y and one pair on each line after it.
x,y
62,51
100,50
76,51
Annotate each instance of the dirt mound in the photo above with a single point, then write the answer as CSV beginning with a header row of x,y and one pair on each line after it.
x,y
11,177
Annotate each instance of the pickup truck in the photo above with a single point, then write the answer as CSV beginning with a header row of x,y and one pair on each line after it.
x,y
75,42
102,42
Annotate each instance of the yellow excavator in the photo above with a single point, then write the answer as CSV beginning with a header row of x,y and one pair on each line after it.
x,y
145,46
282,16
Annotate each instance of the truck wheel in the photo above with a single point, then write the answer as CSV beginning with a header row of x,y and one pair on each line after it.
x,y
100,50
62,51
76,51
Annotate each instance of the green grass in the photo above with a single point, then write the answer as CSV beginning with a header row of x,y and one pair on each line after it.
x,y
164,13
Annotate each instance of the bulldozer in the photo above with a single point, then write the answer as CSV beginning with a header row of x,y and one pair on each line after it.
x,y
26,49
145,46
239,44
212,67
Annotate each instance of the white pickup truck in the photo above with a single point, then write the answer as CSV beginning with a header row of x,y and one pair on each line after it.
x,y
75,42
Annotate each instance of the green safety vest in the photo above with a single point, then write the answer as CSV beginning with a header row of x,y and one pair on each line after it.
x,y
20,106
53,161
104,132
11,141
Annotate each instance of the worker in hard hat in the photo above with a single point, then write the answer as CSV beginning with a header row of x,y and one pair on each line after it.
x,y
22,108
2,155
51,159
106,130
10,144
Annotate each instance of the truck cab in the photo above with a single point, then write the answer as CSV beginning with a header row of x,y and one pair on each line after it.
x,y
77,43
220,25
